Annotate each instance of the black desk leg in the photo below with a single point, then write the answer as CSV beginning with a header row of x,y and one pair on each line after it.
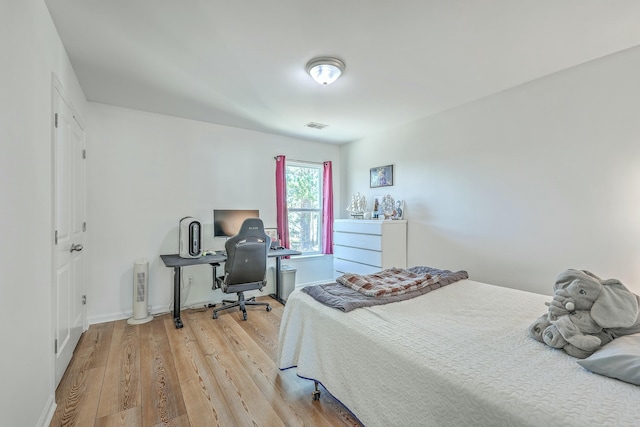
x,y
276,296
176,297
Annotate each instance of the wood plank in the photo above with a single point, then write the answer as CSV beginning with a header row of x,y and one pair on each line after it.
x,y
161,393
84,357
131,417
203,396
121,387
265,326
78,391
78,404
97,340
225,366
182,421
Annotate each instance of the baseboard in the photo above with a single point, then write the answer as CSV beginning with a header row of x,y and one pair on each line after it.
x,y
48,412
162,309
112,317
156,310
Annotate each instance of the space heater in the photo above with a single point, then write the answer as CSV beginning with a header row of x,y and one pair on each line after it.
x,y
190,236
140,293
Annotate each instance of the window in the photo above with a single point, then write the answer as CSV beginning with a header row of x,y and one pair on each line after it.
x,y
304,205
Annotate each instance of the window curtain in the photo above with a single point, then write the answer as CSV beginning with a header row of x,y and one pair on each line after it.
x,y
327,209
282,220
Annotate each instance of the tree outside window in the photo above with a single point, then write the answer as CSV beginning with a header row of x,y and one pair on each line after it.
x,y
304,204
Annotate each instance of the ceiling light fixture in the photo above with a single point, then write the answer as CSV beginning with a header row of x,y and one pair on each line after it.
x,y
325,70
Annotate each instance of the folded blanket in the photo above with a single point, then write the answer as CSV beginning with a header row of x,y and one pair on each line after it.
x,y
393,281
346,299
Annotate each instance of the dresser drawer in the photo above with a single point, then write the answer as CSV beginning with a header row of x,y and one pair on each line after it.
x,y
362,226
363,256
355,240
342,266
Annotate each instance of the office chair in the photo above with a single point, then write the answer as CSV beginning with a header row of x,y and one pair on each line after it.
x,y
246,266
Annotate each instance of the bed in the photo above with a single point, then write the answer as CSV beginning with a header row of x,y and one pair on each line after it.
x,y
457,356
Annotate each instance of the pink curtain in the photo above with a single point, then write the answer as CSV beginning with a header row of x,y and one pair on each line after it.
x,y
282,220
327,209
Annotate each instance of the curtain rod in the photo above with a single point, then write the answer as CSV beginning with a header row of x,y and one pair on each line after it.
x,y
301,161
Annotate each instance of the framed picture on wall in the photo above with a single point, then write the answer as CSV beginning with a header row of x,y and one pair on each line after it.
x,y
273,234
381,176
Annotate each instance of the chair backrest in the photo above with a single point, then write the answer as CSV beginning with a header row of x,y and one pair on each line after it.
x,y
247,256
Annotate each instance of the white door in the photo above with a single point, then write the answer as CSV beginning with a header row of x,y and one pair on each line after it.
x,y
69,226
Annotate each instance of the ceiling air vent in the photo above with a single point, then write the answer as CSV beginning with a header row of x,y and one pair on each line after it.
x,y
315,125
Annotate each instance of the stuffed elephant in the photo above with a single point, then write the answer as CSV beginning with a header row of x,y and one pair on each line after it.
x,y
587,312
576,333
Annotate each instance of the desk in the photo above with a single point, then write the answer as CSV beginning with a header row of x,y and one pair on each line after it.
x,y
176,262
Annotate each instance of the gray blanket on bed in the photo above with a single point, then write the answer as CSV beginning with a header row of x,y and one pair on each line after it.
x,y
346,299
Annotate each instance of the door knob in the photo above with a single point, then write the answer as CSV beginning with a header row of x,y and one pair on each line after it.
x,y
77,247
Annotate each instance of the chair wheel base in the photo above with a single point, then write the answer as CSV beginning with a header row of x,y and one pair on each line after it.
x,y
241,303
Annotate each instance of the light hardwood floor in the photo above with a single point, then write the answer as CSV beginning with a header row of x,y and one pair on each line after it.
x,y
219,372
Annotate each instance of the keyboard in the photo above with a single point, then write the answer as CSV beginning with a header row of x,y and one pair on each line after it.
x,y
212,252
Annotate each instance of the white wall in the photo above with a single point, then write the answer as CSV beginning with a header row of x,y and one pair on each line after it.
x,y
31,51
146,171
518,186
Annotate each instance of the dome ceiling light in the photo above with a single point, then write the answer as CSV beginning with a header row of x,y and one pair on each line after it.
x,y
325,70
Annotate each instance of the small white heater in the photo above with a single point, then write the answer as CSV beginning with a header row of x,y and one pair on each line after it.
x,y
140,293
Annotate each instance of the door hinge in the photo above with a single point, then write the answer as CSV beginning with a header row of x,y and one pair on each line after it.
x,y
56,237
55,346
84,153
84,300
56,120
84,226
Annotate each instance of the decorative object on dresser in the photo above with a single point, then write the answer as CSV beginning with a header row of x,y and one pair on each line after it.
x,y
387,206
368,246
381,176
376,207
358,205
398,213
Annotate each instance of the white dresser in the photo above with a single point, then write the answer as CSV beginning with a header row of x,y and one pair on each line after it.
x,y
367,246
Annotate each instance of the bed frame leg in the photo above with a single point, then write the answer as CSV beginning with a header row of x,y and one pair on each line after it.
x,y
315,393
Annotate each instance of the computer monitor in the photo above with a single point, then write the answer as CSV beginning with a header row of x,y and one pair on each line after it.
x,y
227,222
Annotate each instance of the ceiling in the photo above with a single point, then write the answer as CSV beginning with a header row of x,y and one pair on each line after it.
x,y
242,63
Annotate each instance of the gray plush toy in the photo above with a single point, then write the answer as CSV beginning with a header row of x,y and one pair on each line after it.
x,y
587,312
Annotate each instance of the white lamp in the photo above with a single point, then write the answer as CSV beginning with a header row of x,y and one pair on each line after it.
x,y
325,70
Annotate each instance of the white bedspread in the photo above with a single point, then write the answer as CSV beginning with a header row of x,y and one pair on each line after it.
x,y
457,356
